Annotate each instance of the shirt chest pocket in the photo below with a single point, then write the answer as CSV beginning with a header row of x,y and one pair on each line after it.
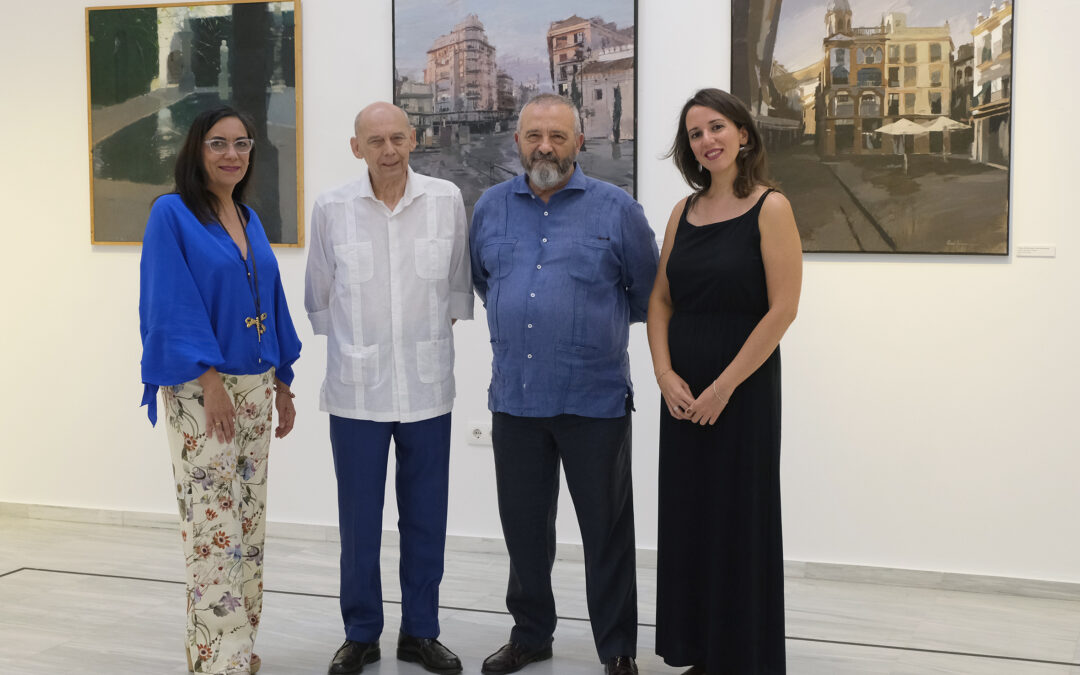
x,y
497,257
593,261
434,360
433,258
360,364
357,260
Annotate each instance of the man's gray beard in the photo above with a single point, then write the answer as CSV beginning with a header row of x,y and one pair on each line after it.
x,y
545,174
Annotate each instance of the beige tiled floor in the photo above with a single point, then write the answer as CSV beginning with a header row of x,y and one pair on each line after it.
x,y
88,598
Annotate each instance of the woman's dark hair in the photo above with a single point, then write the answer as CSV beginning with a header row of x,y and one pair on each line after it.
x,y
750,161
190,174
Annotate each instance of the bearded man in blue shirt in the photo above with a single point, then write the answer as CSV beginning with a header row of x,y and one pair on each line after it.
x,y
564,264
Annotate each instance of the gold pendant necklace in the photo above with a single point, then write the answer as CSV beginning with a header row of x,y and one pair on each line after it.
x,y
258,321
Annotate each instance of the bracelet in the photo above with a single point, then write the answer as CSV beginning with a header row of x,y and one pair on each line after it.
x,y
287,392
662,374
717,393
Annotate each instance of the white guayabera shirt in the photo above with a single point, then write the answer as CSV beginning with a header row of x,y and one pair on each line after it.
x,y
383,286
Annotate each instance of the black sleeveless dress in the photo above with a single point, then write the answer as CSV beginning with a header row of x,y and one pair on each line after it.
x,y
720,569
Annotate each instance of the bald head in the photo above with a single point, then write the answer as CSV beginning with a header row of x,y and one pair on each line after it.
x,y
379,111
384,140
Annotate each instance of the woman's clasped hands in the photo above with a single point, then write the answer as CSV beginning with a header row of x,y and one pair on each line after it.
x,y
681,404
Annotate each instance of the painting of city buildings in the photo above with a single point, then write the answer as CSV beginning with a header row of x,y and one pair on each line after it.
x,y
887,123
152,69
463,69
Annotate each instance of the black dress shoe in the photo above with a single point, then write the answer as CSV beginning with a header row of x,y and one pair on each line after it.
x,y
429,653
512,657
620,665
352,656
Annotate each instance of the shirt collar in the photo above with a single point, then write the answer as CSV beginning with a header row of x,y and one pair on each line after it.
x,y
414,187
577,181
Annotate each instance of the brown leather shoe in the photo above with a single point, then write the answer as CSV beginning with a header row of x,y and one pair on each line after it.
x,y
512,657
620,665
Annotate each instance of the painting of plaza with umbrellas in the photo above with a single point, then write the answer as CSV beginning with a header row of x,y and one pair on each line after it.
x,y
888,124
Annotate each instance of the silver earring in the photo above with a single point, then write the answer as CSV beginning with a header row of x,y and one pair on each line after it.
x,y
700,168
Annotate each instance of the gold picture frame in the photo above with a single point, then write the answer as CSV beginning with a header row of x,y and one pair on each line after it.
x,y
151,68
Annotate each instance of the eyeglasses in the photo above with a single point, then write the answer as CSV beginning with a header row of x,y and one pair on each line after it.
x,y
220,146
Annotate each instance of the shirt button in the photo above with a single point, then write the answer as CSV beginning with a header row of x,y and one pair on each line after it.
x,y
544,240
532,295
545,213
530,325
538,266
528,356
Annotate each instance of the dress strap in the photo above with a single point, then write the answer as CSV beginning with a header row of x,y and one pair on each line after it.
x,y
756,209
686,209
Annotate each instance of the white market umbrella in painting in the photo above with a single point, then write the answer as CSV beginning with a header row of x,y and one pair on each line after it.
x,y
902,127
944,125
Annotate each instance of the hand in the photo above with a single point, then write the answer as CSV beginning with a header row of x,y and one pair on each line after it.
x,y
707,407
286,411
676,394
220,412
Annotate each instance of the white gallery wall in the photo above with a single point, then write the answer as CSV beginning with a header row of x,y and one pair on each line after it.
x,y
930,402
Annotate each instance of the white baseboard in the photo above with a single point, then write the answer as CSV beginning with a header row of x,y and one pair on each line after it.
x,y
646,558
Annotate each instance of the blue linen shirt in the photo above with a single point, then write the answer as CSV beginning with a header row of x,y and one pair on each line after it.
x,y
561,282
194,297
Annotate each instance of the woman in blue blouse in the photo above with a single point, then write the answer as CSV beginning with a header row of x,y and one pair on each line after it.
x,y
217,338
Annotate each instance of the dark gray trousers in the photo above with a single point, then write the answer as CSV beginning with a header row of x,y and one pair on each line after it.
x,y
596,456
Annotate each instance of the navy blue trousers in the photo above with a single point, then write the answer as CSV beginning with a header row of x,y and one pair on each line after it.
x,y
596,457
422,454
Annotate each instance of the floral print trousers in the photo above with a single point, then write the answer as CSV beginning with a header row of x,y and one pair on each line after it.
x,y
221,494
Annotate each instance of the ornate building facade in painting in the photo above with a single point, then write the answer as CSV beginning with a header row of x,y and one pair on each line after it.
x,y
876,75
607,93
461,65
992,84
571,43
592,63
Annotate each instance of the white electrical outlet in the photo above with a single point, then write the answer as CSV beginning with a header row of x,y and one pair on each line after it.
x,y
479,433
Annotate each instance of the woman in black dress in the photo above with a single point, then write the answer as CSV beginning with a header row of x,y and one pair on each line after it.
x,y
726,291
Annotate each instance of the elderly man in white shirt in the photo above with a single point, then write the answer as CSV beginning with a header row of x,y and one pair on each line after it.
x,y
387,275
